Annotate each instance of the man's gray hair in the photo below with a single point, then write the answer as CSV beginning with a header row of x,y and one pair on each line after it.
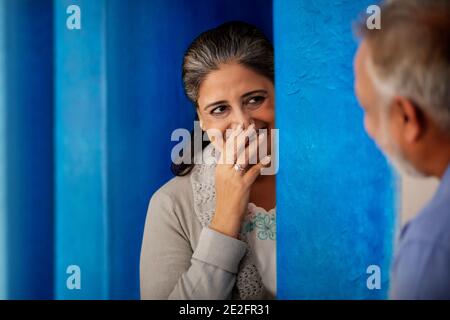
x,y
410,54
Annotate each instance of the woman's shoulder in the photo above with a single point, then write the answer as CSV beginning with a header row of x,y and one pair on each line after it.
x,y
173,204
177,190
187,198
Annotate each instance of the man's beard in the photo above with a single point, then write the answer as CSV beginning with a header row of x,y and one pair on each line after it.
x,y
393,153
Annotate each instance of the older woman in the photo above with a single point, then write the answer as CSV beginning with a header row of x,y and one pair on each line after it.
x,y
210,231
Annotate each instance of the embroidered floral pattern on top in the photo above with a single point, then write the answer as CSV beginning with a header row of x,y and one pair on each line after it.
x,y
260,231
249,285
264,224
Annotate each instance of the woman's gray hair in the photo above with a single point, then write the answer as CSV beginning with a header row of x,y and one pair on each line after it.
x,y
410,54
232,42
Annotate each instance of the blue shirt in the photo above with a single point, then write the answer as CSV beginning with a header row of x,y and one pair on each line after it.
x,y
421,268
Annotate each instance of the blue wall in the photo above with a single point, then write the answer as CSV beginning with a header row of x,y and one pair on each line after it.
x,y
81,151
26,187
335,192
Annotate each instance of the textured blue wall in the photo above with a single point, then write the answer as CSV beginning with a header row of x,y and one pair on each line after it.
x,y
26,184
82,220
3,184
335,192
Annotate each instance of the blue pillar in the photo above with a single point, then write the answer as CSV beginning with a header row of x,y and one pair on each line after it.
x,y
81,151
3,185
335,192
26,149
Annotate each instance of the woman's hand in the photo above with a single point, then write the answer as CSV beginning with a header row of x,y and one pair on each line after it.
x,y
233,186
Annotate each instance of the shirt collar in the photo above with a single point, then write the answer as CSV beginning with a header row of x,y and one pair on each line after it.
x,y
444,186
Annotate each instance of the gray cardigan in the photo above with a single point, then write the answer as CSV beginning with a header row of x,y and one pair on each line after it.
x,y
179,258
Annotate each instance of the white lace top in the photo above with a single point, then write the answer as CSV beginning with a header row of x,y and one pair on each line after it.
x,y
257,269
259,228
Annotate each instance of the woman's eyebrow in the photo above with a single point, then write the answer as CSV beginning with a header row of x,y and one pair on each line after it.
x,y
253,92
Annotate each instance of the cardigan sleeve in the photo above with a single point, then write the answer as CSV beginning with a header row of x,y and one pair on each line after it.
x,y
171,269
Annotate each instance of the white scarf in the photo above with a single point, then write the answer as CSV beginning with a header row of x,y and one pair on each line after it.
x,y
257,269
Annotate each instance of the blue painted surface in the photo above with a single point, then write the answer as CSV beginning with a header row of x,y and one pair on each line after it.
x,y
81,230
335,192
3,185
26,181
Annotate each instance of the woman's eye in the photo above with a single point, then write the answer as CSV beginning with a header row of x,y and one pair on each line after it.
x,y
219,110
255,101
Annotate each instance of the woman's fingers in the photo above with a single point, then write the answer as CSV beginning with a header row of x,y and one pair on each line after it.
x,y
253,173
243,141
243,147
227,155
235,143
249,155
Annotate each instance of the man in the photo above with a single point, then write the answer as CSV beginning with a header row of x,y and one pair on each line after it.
x,y
402,81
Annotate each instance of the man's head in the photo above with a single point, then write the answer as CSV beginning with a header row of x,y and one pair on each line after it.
x,y
402,81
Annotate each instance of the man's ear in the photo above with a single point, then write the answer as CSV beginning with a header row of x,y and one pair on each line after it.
x,y
410,119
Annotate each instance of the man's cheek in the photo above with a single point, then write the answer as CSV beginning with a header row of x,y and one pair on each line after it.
x,y
369,127
382,140
376,135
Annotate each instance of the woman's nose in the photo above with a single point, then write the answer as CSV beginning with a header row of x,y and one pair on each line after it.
x,y
242,118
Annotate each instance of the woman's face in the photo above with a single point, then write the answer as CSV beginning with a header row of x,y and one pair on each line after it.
x,y
235,95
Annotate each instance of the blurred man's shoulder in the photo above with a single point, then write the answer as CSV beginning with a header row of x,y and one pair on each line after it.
x,y
431,225
422,264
